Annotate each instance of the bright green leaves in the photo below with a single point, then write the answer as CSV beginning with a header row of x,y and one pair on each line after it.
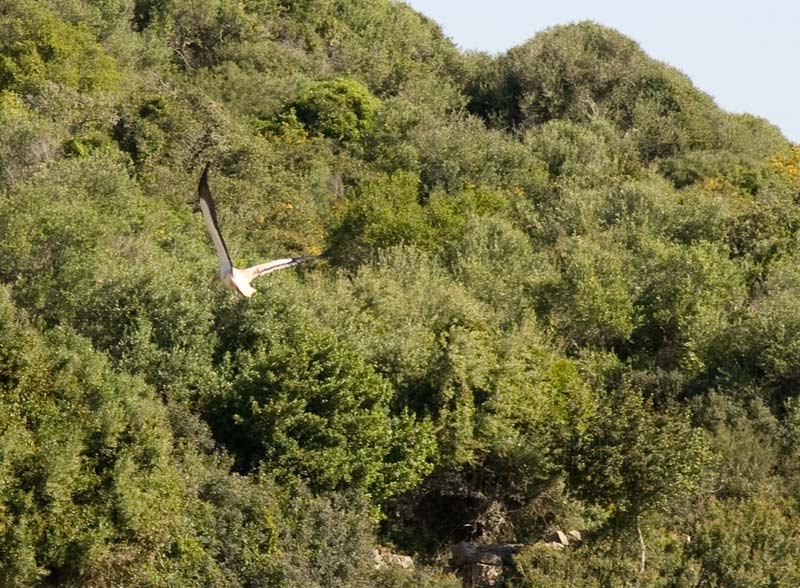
x,y
387,211
107,275
313,409
746,543
36,47
86,461
688,296
384,213
488,379
535,401
340,109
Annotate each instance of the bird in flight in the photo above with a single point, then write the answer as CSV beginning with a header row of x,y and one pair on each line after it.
x,y
234,278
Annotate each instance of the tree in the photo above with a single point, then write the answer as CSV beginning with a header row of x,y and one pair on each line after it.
x,y
631,460
301,403
340,109
37,47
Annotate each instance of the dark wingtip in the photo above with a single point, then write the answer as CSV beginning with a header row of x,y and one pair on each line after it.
x,y
204,177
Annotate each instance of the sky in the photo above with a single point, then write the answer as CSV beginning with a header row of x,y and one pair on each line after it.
x,y
744,54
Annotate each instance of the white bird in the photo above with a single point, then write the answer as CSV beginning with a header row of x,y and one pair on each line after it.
x,y
234,278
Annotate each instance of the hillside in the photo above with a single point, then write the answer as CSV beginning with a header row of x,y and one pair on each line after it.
x,y
563,292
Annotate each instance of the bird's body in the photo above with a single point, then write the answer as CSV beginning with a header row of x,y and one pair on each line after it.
x,y
234,278
237,280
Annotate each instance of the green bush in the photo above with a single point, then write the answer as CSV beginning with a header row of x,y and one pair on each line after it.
x,y
88,479
688,296
572,72
630,460
594,302
560,293
340,109
27,141
301,403
37,47
384,212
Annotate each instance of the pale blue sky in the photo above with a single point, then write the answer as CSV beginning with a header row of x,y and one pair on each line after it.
x,y
745,54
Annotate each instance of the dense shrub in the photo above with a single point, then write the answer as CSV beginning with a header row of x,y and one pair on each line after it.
x,y
340,109
559,292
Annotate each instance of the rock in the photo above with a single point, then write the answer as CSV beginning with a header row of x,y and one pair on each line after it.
x,y
558,537
574,536
488,558
482,566
506,551
493,554
463,553
480,575
385,558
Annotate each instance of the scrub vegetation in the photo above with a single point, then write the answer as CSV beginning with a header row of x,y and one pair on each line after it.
x,y
563,292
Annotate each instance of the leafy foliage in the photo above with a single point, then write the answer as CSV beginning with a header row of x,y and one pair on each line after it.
x,y
302,403
341,109
39,48
560,292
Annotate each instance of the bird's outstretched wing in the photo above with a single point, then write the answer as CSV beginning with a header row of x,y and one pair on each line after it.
x,y
262,269
210,218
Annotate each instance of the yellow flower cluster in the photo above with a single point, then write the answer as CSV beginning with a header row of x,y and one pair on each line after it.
x,y
718,184
788,165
